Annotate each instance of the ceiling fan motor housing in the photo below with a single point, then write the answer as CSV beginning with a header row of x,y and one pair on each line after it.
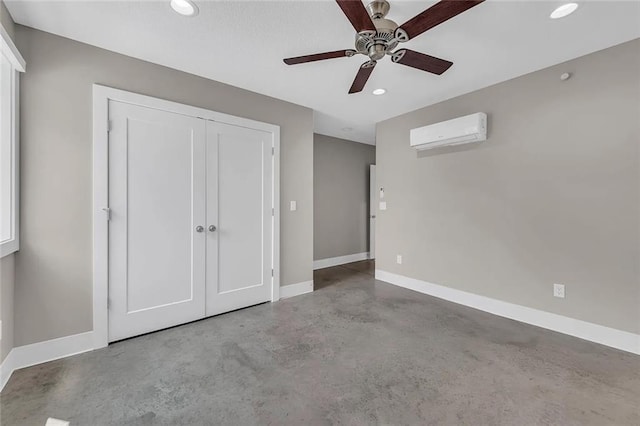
x,y
382,42
378,9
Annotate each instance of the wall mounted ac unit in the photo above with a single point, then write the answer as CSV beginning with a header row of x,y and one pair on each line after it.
x,y
467,129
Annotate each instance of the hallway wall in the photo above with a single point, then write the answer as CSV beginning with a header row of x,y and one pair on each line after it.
x,y
340,196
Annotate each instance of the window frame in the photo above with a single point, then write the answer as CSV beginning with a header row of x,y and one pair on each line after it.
x,y
17,64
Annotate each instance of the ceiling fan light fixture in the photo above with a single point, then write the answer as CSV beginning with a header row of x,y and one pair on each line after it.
x,y
184,7
379,92
564,10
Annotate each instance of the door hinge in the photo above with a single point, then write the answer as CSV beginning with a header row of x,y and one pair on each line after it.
x,y
109,125
273,212
107,212
108,303
272,272
273,150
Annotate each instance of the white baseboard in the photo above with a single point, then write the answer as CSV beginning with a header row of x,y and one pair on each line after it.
x,y
291,290
607,336
340,260
37,353
6,369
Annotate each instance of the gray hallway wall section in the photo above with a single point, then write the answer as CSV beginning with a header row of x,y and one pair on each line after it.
x,y
341,196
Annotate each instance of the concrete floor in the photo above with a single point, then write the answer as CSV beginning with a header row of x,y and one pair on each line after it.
x,y
356,351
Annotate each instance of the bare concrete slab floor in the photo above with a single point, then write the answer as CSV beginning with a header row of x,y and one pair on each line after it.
x,y
357,351
325,277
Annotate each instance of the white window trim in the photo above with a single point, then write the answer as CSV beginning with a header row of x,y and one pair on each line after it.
x,y
9,50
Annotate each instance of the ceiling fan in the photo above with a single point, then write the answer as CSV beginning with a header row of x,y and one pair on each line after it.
x,y
377,36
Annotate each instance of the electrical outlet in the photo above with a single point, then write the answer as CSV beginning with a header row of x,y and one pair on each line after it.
x,y
293,206
399,259
558,290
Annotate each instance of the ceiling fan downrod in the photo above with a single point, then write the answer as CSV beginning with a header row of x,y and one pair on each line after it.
x,y
377,44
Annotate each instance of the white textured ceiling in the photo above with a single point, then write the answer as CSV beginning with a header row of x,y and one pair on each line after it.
x,y
242,43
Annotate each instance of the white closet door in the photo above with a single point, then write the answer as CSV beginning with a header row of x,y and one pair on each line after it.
x,y
239,206
157,201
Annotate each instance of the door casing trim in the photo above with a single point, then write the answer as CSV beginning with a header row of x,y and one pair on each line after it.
x,y
101,97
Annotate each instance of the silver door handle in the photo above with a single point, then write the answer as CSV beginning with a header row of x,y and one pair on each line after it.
x,y
212,228
373,216
199,228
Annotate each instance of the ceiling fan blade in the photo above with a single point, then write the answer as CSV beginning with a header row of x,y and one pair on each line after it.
x,y
421,61
319,57
435,15
363,75
357,15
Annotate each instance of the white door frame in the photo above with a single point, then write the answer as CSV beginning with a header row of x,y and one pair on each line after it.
x,y
373,188
101,97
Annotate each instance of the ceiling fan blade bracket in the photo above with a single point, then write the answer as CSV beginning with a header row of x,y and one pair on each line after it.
x,y
401,35
349,53
368,64
398,55
366,33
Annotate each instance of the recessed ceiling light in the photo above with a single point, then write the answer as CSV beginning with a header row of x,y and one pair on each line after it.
x,y
564,10
379,92
184,7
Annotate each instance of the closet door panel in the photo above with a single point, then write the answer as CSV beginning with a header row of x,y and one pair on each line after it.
x,y
157,200
239,205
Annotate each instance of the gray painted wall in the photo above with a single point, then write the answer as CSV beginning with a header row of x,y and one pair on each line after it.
x,y
6,20
552,197
7,263
54,267
7,282
340,196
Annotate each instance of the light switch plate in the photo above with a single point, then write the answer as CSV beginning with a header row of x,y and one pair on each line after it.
x,y
293,206
383,205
